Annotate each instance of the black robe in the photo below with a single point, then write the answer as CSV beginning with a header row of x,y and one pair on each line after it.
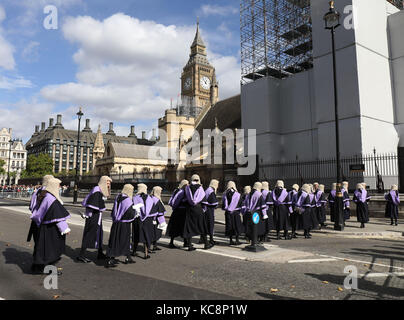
x,y
119,237
143,231
247,218
194,216
157,233
234,226
347,211
210,204
93,233
281,212
391,210
269,223
362,212
50,244
176,222
331,204
320,209
308,219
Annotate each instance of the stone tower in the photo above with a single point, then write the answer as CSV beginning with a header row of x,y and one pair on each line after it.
x,y
99,148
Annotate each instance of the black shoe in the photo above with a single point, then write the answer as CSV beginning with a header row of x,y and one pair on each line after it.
x,y
191,248
186,244
110,263
294,236
83,259
212,242
207,246
396,224
232,243
288,237
146,257
172,246
133,254
201,241
116,261
155,248
278,237
129,260
392,224
101,256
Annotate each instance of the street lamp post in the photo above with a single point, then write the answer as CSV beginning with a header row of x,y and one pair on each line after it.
x,y
332,21
9,161
76,179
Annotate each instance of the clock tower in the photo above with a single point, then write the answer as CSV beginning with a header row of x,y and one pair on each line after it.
x,y
199,87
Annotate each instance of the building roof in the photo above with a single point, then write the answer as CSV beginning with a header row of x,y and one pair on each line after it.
x,y
121,150
227,112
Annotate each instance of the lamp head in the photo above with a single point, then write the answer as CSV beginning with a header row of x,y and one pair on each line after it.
x,y
332,17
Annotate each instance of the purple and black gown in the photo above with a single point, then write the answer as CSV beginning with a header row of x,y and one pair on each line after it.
x,y
34,198
158,212
176,222
93,232
306,205
143,230
48,222
232,205
347,210
194,215
119,238
209,204
392,205
254,203
362,212
320,207
282,208
331,203
269,222
294,216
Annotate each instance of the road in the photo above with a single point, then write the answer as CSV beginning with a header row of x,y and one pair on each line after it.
x,y
295,269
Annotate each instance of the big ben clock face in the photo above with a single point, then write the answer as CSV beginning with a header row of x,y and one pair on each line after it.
x,y
188,83
205,83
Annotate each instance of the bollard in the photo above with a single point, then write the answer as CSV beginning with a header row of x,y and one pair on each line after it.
x,y
254,247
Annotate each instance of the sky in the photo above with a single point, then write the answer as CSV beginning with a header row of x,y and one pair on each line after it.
x,y
120,60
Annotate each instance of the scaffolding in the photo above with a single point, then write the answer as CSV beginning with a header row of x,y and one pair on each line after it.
x,y
276,38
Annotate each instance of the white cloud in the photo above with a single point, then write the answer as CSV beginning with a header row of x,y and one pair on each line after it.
x,y
209,10
14,83
23,115
129,69
31,51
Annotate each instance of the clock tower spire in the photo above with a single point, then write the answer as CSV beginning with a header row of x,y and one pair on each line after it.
x,y
197,77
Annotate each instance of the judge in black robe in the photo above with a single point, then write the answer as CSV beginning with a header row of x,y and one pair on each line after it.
x,y
282,208
95,206
392,205
194,216
331,201
305,206
119,238
176,223
254,203
360,198
320,205
345,196
267,212
209,205
48,226
143,229
158,213
246,192
232,204
294,216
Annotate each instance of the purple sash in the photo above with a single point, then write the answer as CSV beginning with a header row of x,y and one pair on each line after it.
x,y
395,197
233,203
360,196
282,197
120,209
302,197
147,206
252,200
38,214
197,197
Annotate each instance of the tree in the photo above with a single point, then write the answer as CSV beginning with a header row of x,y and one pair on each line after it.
x,y
2,164
38,166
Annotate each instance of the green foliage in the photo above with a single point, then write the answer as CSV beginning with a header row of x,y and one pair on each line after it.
x,y
2,163
38,166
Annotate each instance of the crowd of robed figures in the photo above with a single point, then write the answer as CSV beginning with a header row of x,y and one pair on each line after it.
x,y
140,217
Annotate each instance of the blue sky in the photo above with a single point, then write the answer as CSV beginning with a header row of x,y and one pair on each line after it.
x,y
121,60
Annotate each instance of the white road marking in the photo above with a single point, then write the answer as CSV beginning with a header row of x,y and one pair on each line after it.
x,y
381,275
2,298
360,261
312,260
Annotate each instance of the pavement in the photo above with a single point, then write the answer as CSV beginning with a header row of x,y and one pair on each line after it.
x,y
287,270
